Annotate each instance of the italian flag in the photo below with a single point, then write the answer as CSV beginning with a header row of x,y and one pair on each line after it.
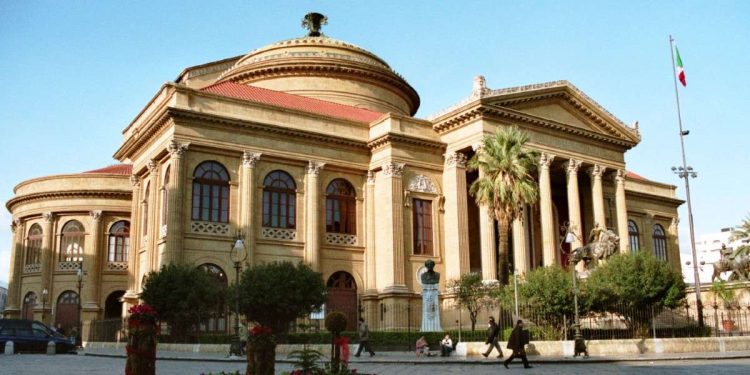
x,y
680,68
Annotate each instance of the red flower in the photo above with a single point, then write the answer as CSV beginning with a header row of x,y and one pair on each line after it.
x,y
260,330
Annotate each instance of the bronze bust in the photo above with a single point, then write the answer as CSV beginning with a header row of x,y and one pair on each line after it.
x,y
430,277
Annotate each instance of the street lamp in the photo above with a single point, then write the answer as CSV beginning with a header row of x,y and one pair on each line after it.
x,y
44,304
569,237
686,172
238,254
79,275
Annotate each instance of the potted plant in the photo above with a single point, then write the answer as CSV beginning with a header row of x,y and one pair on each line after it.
x,y
726,295
143,329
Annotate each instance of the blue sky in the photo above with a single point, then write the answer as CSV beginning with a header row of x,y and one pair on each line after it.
x,y
78,71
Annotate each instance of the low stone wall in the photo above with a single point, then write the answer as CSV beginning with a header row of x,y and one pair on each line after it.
x,y
623,347
536,348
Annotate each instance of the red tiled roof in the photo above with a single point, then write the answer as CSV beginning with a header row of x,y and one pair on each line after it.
x,y
124,169
636,176
291,101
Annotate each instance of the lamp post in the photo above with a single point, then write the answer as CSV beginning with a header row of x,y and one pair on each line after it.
x,y
686,172
580,344
79,275
44,304
238,254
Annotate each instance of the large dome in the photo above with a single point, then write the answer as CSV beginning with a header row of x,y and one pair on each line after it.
x,y
327,69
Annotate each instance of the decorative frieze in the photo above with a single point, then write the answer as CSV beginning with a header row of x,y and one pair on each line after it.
x,y
117,266
32,268
250,159
341,239
392,169
423,184
278,234
207,227
455,159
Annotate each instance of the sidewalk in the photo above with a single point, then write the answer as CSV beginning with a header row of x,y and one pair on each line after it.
x,y
410,358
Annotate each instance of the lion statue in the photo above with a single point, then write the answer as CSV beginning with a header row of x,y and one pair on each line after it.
x,y
601,249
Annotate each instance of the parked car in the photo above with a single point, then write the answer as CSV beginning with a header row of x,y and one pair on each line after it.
x,y
32,336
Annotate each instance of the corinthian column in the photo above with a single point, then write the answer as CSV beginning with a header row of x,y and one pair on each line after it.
x,y
390,229
47,251
175,203
456,216
574,204
370,270
622,210
153,224
312,214
13,308
549,252
247,192
597,195
91,265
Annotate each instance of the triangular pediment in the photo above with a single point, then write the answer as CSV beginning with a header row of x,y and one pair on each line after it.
x,y
564,105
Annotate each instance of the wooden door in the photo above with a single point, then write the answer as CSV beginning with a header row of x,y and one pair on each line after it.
x,y
342,297
67,311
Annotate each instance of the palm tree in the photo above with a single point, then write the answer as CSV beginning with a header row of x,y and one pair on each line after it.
x,y
506,184
742,233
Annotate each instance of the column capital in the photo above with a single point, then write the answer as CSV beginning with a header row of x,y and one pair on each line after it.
x,y
545,159
250,159
620,177
596,171
370,178
392,169
572,166
455,159
96,215
177,149
477,147
153,166
314,167
135,181
48,217
15,224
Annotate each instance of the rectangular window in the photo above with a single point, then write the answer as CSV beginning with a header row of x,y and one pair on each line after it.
x,y
422,226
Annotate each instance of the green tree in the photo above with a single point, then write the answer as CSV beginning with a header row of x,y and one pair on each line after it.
x,y
632,284
545,295
742,232
471,294
276,294
182,296
507,183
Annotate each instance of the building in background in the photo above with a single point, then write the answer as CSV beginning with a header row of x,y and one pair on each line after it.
x,y
708,247
309,148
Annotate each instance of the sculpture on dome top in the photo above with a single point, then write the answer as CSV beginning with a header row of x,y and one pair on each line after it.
x,y
313,21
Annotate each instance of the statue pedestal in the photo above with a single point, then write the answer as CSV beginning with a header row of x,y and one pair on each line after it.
x,y
430,308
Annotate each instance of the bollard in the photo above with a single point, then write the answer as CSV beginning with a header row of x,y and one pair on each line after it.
x,y
9,347
51,348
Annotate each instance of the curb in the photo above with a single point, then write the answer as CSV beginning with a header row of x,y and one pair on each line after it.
x,y
473,361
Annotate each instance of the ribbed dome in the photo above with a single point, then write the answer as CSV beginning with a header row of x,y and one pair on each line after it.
x,y
327,69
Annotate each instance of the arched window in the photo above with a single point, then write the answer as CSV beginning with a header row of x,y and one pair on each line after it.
x,y
211,192
660,242
119,242
165,198
146,195
34,245
341,207
635,242
29,302
217,319
71,242
279,200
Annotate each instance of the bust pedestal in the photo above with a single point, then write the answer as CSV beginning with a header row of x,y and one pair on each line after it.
x,y
430,308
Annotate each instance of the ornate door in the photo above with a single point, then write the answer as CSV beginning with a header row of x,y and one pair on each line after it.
x,y
67,311
342,297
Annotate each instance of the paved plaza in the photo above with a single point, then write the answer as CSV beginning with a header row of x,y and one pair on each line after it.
x,y
38,364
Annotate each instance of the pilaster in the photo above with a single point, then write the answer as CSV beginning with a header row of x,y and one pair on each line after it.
x,y
131,295
47,250
175,206
549,251
312,214
456,216
247,208
13,307
390,227
91,264
153,224
622,211
370,248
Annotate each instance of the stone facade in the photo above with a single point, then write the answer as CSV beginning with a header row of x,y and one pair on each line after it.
x,y
292,121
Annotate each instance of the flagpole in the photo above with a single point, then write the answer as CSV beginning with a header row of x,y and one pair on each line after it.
x,y
687,172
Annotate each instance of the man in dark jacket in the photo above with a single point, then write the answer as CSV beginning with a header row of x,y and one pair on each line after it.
x,y
517,344
492,336
364,338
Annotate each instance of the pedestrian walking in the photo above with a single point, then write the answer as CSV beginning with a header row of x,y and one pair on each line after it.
x,y
364,338
517,343
492,337
243,336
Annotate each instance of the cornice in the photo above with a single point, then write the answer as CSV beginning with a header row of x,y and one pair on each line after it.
x,y
110,194
362,72
655,198
143,135
68,176
391,138
181,114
